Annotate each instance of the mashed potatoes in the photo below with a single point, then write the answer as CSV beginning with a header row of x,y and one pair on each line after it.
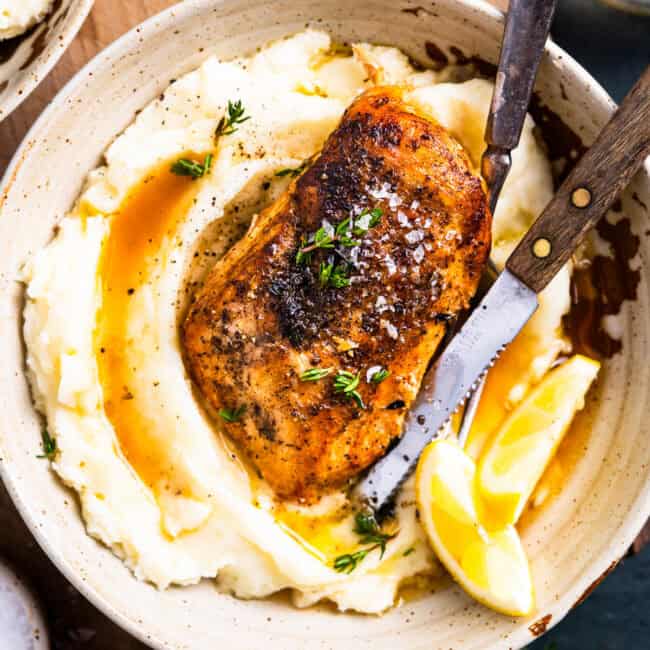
x,y
17,16
158,483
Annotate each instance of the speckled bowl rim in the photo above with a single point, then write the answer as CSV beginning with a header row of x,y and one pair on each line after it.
x,y
639,510
48,58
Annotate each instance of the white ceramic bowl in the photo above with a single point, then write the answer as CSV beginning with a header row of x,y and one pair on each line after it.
x,y
26,59
571,543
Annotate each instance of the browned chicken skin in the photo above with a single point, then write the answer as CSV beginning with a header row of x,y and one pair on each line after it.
x,y
263,318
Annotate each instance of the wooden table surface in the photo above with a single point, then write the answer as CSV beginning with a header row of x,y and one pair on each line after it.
x,y
73,622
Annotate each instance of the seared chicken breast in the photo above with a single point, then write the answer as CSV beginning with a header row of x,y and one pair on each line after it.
x,y
312,335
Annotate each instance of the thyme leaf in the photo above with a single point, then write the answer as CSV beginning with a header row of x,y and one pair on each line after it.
x,y
292,171
344,231
346,383
314,374
187,167
301,256
333,276
365,523
347,563
367,527
320,239
49,445
232,415
379,376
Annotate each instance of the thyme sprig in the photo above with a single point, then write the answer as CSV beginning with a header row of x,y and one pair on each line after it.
x,y
347,563
49,445
320,239
342,234
232,415
366,526
235,114
346,382
187,167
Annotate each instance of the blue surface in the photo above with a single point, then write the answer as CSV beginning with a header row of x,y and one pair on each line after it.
x,y
614,617
615,48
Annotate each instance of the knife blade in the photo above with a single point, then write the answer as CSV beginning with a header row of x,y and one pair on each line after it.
x,y
469,354
589,190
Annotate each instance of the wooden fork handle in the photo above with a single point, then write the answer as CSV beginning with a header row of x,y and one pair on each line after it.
x,y
589,190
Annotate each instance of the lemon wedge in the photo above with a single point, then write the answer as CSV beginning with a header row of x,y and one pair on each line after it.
x,y
491,566
515,459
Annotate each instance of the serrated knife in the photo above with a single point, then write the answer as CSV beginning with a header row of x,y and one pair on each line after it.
x,y
589,190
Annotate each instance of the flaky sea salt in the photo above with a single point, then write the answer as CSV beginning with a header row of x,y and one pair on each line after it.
x,y
328,227
391,330
372,371
390,265
414,236
435,286
385,192
363,222
403,219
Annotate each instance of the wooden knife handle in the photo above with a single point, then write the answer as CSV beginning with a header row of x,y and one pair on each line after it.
x,y
527,25
589,190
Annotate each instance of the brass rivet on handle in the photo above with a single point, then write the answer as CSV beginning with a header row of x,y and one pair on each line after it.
x,y
581,197
541,247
